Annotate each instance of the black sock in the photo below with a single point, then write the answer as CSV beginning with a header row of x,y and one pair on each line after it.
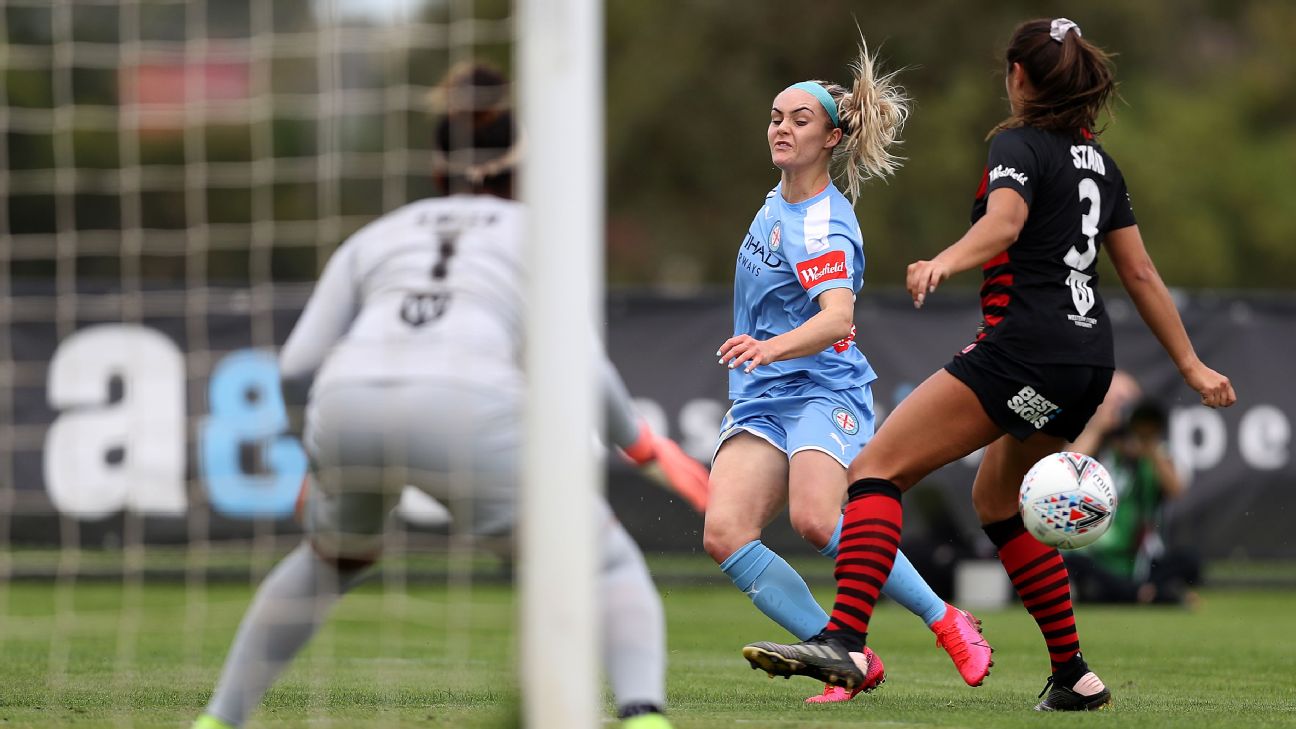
x,y
849,639
1071,672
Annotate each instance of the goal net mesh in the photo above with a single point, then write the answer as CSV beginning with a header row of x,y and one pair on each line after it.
x,y
174,175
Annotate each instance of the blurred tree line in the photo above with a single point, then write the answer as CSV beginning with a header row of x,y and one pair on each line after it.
x,y
1203,131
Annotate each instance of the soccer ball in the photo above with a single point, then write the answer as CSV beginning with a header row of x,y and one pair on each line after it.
x,y
1067,500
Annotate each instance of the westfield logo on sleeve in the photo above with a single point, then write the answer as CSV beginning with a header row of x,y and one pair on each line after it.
x,y
829,266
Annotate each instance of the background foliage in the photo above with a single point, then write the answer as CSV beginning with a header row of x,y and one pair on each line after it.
x,y
1204,130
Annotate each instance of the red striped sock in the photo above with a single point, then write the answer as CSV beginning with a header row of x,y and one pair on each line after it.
x,y
869,541
1040,578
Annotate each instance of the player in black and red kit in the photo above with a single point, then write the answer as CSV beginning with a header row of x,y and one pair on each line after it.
x,y
1049,198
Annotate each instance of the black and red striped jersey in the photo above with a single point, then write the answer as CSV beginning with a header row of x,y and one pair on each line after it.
x,y
1039,298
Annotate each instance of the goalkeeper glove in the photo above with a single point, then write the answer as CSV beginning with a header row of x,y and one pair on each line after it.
x,y
662,460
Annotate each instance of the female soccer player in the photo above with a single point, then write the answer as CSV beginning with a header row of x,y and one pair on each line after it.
x,y
802,401
1038,368
414,330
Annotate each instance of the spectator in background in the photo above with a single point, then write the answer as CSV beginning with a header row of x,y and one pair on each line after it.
x,y
1131,563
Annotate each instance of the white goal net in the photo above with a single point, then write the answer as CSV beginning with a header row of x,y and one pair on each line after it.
x,y
174,174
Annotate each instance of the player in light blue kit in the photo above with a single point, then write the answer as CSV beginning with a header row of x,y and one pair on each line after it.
x,y
803,407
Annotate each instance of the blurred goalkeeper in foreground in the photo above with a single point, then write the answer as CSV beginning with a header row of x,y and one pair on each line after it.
x,y
414,339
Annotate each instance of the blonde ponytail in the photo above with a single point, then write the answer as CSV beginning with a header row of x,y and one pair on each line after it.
x,y
873,113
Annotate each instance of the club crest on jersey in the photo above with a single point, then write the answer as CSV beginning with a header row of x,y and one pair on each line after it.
x,y
845,421
829,266
776,235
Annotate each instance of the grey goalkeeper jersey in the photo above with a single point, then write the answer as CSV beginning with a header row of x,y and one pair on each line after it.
x,y
432,290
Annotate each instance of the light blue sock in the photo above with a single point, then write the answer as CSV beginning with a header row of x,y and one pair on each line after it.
x,y
908,588
905,585
776,589
830,549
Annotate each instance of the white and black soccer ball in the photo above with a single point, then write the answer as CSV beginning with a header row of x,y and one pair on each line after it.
x,y
1067,500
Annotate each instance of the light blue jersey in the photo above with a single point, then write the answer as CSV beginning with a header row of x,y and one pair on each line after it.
x,y
792,253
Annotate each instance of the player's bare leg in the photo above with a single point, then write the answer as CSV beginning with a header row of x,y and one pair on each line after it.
x,y
816,489
749,487
903,452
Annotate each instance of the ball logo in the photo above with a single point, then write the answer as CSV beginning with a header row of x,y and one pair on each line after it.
x,y
776,235
845,421
829,266
1070,514
1066,500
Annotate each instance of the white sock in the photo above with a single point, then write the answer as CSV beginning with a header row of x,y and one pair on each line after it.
x,y
292,602
634,631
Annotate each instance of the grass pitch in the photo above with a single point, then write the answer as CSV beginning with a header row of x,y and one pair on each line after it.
x,y
113,655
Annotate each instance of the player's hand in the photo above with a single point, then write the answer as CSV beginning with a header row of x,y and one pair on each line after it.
x,y
923,277
744,350
1215,389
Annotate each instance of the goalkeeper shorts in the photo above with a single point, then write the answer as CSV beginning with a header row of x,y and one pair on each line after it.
x,y
456,442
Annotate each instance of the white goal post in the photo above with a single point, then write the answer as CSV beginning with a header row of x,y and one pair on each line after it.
x,y
560,74
174,175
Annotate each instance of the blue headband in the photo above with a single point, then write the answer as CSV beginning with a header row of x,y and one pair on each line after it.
x,y
825,98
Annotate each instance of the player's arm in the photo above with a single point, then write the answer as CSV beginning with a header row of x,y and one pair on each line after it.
x,y
832,323
325,319
1006,213
1152,299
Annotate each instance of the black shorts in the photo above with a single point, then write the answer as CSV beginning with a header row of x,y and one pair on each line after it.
x,y
1024,398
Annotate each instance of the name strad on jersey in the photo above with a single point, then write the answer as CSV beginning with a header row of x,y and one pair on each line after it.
x,y
829,266
1085,157
1001,171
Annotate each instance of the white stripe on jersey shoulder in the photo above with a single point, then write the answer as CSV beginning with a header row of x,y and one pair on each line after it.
x,y
817,220
770,194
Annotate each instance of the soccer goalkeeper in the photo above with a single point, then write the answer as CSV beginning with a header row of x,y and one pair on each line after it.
x,y
413,338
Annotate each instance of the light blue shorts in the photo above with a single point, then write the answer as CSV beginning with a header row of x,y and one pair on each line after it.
x,y
805,416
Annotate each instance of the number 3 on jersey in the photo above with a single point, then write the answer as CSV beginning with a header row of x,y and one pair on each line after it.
x,y
1081,294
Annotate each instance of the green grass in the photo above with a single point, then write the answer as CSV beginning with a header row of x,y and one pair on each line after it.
x,y
104,655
